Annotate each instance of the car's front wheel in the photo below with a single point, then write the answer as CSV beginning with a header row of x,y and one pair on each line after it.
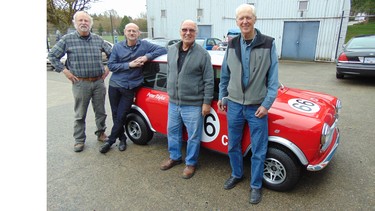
x,y
137,129
281,171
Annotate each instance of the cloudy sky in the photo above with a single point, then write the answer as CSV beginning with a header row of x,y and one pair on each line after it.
x,y
123,7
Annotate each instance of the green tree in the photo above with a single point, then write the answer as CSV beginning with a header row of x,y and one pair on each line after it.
x,y
60,12
100,29
125,20
366,6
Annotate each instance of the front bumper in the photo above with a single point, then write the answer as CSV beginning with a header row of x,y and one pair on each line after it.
x,y
324,163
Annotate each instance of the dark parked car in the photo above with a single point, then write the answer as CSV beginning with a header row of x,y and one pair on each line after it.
x,y
357,58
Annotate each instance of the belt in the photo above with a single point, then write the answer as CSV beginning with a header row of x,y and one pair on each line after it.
x,y
92,79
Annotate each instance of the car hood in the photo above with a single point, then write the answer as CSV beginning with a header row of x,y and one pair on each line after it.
x,y
305,103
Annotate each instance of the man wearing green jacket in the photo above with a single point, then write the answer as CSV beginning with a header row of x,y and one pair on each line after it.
x,y
190,86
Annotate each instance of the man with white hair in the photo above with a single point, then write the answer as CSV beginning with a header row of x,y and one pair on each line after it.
x,y
249,80
84,68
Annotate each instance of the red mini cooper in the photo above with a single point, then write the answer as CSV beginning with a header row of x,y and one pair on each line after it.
x,y
303,130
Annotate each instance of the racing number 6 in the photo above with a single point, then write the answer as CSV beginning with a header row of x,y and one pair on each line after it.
x,y
211,127
208,126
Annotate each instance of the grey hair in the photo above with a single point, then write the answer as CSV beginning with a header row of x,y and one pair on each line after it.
x,y
190,21
246,7
79,12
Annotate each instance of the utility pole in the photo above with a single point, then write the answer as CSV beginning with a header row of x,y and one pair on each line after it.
x,y
110,16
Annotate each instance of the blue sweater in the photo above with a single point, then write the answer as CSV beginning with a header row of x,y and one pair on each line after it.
x,y
118,63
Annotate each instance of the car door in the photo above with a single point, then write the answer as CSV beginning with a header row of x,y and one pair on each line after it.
x,y
152,97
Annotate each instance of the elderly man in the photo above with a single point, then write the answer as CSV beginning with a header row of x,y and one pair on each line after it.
x,y
125,63
190,87
249,80
84,68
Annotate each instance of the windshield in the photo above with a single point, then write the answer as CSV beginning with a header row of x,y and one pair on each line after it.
x,y
162,43
362,42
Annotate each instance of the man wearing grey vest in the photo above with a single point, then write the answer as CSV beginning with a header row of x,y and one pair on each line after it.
x,y
249,83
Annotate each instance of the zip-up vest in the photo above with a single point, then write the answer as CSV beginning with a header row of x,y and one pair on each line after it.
x,y
260,63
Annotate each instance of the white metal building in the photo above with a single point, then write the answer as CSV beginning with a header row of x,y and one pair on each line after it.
x,y
310,30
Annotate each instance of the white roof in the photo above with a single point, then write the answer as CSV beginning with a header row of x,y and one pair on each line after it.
x,y
216,57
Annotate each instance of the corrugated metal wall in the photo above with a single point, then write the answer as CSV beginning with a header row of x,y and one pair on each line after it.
x,y
271,15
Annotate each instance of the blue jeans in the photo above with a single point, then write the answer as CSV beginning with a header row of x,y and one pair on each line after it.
x,y
121,101
237,115
191,117
84,92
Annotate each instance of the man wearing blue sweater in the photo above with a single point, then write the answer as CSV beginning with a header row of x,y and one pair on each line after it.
x,y
126,63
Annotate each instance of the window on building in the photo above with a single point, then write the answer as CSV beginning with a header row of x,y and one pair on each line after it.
x,y
163,13
302,5
199,12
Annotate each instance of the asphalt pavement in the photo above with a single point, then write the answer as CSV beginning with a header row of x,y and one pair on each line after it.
x,y
132,180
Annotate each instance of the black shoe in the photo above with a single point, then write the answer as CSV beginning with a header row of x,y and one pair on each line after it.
x,y
122,146
105,147
231,182
255,195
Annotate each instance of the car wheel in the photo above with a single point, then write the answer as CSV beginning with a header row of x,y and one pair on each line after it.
x,y
339,76
281,171
137,129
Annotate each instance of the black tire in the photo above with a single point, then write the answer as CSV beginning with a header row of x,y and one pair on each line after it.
x,y
137,129
339,76
281,170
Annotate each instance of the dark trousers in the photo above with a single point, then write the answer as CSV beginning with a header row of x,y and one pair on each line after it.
x,y
121,101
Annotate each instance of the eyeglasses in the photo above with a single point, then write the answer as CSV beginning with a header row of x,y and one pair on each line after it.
x,y
186,30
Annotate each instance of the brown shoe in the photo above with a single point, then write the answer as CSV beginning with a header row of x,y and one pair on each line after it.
x,y
169,163
78,147
102,137
188,172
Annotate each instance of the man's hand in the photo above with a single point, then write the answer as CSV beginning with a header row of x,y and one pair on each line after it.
x,y
206,109
138,62
70,76
221,106
106,72
261,112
